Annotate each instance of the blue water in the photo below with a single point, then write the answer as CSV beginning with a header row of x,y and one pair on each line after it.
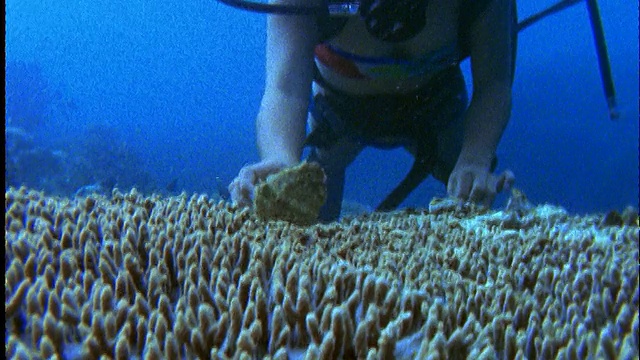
x,y
168,90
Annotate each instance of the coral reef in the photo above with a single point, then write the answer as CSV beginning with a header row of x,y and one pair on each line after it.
x,y
294,194
103,157
97,161
96,157
129,276
27,162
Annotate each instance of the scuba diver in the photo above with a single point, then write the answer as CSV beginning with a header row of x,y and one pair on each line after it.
x,y
386,74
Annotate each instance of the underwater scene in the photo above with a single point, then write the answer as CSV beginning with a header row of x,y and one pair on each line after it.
x,y
376,179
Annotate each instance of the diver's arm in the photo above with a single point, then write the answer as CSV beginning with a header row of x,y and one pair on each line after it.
x,y
281,121
490,107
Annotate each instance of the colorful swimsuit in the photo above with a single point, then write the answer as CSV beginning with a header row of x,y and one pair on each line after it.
x,y
387,120
366,67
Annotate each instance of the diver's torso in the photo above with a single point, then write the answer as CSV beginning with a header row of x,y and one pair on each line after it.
x,y
440,31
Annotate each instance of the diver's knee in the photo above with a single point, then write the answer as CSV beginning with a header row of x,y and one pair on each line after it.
x,y
331,209
329,212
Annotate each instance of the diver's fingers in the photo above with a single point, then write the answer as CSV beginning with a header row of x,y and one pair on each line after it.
x,y
263,169
247,175
505,181
485,192
460,186
241,188
481,192
254,173
235,191
242,194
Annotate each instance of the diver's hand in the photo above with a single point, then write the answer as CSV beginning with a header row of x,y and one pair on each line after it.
x,y
242,187
475,182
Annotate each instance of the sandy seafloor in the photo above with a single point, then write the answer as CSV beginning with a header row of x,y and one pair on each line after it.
x,y
185,277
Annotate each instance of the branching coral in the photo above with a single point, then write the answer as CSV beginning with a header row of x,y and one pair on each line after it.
x,y
186,277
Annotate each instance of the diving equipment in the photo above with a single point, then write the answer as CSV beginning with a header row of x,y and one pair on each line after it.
x,y
393,20
603,58
598,37
270,8
387,20
398,20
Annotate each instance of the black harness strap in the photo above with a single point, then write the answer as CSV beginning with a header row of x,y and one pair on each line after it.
x,y
423,164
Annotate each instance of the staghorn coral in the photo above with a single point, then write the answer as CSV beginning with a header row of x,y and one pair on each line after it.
x,y
186,277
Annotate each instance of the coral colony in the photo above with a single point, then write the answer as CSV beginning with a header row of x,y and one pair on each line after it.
x,y
150,277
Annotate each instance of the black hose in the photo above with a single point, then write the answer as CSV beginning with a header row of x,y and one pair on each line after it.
x,y
603,58
276,8
601,45
546,12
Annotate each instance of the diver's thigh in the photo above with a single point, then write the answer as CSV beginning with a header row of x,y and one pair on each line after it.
x,y
338,156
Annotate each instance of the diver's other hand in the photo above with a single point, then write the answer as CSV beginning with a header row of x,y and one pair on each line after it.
x,y
242,187
476,183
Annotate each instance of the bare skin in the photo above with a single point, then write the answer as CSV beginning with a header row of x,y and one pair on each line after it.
x,y
281,122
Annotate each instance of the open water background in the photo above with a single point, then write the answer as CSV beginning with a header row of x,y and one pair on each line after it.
x,y
177,85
